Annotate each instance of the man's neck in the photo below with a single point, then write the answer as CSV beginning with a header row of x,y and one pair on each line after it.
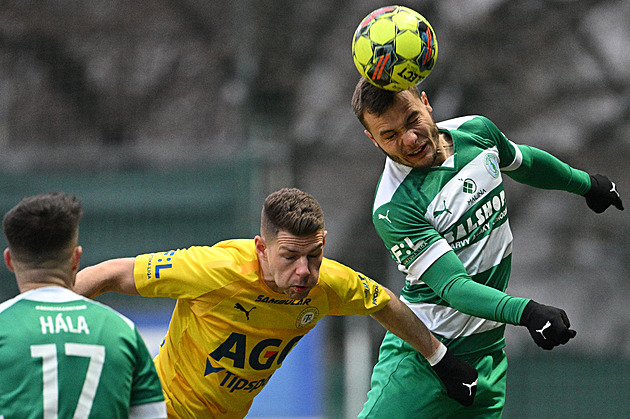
x,y
38,278
444,148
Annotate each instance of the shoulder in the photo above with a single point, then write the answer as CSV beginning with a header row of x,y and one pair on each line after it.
x,y
109,314
456,123
236,249
65,300
10,303
336,277
236,245
197,270
331,270
224,254
469,123
339,277
476,131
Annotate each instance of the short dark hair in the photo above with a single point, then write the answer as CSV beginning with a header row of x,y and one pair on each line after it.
x,y
293,211
368,98
43,227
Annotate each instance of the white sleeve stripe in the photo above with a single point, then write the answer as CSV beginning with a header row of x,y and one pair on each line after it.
x,y
422,263
155,410
448,322
518,159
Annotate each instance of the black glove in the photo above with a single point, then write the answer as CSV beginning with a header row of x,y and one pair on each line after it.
x,y
603,193
549,326
459,378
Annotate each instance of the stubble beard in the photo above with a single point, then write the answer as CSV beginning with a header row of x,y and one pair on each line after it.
x,y
435,151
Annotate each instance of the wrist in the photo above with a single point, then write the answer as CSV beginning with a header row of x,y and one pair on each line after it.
x,y
580,182
437,355
527,312
592,184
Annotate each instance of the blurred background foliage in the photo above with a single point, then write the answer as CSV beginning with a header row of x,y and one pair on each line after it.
x,y
201,108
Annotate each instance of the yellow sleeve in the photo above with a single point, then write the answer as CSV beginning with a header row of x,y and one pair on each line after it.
x,y
351,292
190,273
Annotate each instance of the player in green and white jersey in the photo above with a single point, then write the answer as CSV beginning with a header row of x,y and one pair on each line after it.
x,y
62,355
440,209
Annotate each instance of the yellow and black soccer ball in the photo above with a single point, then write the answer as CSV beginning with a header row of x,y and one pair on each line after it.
x,y
394,48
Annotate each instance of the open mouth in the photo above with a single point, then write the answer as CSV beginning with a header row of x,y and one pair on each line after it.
x,y
419,151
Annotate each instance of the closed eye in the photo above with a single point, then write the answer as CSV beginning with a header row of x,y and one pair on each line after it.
x,y
413,118
388,135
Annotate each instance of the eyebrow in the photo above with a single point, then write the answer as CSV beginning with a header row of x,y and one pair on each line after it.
x,y
410,117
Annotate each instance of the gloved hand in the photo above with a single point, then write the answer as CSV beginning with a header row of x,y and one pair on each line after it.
x,y
459,378
549,326
603,193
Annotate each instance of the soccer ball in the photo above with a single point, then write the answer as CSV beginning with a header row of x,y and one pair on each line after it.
x,y
394,48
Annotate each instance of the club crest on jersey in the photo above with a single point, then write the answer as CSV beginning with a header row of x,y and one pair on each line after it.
x,y
306,317
492,164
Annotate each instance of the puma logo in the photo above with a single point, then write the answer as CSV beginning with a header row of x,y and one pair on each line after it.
x,y
438,212
238,306
385,217
470,386
614,188
547,325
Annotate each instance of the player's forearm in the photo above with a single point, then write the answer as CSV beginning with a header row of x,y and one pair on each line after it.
x,y
112,275
545,171
448,278
401,321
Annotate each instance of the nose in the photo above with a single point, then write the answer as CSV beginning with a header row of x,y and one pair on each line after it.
x,y
409,137
302,267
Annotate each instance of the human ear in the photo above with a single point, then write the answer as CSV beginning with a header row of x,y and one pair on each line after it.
x,y
261,247
76,258
7,259
371,138
425,101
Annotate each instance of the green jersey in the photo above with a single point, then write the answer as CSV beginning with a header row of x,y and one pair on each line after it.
x,y
447,229
62,355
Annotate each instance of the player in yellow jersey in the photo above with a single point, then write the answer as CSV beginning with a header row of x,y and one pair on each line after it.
x,y
242,305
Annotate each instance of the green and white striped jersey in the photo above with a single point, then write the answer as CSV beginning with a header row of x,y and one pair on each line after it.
x,y
460,207
65,356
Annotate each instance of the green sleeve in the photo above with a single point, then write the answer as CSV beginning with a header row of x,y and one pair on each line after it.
x,y
146,386
448,279
542,170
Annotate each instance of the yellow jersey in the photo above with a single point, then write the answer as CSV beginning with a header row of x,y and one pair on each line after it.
x,y
229,331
